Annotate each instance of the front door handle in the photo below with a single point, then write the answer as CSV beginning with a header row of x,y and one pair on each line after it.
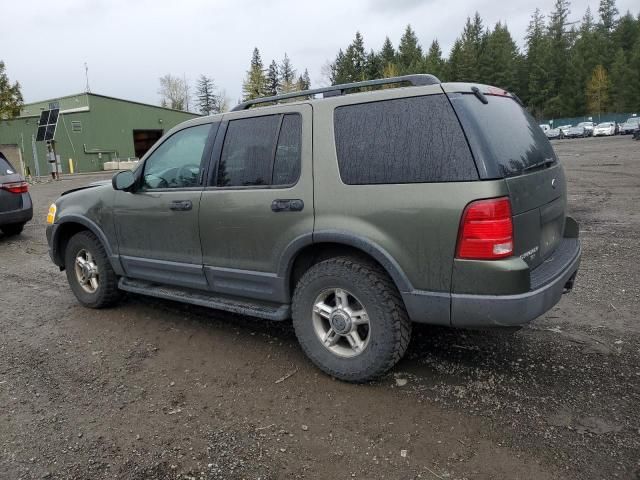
x,y
287,205
181,205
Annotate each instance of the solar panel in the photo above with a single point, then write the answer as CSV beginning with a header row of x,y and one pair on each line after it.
x,y
40,134
47,125
44,117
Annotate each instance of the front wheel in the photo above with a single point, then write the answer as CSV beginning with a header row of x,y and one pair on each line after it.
x,y
349,319
89,272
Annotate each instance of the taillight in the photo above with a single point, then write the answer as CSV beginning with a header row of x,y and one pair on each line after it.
x,y
15,187
486,230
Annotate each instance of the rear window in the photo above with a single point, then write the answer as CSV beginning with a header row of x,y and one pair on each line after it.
x,y
505,140
407,140
5,166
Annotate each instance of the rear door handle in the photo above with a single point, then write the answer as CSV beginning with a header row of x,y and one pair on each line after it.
x,y
287,205
181,205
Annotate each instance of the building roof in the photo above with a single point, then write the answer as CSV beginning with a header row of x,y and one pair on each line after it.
x,y
80,102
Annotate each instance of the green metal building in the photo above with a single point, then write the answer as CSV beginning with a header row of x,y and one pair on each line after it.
x,y
91,130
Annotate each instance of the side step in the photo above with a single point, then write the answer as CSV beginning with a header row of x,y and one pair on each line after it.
x,y
259,309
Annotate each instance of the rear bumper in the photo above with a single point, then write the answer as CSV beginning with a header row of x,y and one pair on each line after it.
x,y
549,282
22,215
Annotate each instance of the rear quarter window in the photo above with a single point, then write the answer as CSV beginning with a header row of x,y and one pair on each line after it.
x,y
406,140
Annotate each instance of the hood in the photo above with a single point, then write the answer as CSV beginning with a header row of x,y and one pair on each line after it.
x,y
98,183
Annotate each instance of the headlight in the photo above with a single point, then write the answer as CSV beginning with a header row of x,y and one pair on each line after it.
x,y
51,216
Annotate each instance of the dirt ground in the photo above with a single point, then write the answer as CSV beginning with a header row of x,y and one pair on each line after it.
x,y
155,389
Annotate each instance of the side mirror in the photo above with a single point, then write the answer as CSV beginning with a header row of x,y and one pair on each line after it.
x,y
123,180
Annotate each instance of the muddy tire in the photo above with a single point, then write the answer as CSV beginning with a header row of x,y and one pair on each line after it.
x,y
350,319
90,276
12,229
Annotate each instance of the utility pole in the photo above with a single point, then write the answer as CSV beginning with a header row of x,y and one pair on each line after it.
x,y
86,76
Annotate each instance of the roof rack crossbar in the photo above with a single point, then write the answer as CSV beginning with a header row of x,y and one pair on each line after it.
x,y
337,90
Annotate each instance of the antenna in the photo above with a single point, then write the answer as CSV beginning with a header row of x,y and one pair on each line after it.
x,y
86,75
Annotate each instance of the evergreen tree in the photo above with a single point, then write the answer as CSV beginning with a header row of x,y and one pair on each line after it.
x,y
208,100
453,65
433,61
627,32
374,67
499,58
598,91
304,82
387,53
586,52
559,43
409,53
273,79
351,65
10,96
621,94
608,13
634,65
287,76
469,51
357,59
537,65
255,82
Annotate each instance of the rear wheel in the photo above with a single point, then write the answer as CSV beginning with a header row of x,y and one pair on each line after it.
x,y
349,319
12,229
89,272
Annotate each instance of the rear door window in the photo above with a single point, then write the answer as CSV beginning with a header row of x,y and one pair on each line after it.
x,y
505,140
406,140
261,151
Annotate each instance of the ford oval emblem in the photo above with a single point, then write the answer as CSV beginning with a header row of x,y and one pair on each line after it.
x,y
553,183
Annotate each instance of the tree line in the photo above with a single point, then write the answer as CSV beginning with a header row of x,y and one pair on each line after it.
x,y
566,68
277,79
175,93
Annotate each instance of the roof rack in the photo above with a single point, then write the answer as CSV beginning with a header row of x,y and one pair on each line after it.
x,y
337,90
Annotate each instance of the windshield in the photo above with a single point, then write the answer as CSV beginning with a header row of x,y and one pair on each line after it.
x,y
633,120
604,125
504,138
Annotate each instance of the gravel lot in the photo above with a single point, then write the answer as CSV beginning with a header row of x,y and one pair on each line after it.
x,y
155,389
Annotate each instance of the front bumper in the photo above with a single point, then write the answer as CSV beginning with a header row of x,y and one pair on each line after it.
x,y
549,282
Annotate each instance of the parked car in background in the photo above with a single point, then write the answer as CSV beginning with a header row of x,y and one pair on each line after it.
x,y
554,133
604,129
16,208
350,214
575,132
545,128
630,125
564,129
588,128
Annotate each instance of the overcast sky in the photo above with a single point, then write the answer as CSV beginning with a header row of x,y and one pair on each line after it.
x,y
129,44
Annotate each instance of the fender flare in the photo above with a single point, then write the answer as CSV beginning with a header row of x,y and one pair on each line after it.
x,y
348,239
89,225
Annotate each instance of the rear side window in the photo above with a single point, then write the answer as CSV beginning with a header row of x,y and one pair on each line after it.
x,y
505,139
406,140
5,166
261,151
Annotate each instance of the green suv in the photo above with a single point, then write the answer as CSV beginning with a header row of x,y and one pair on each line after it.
x,y
354,215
